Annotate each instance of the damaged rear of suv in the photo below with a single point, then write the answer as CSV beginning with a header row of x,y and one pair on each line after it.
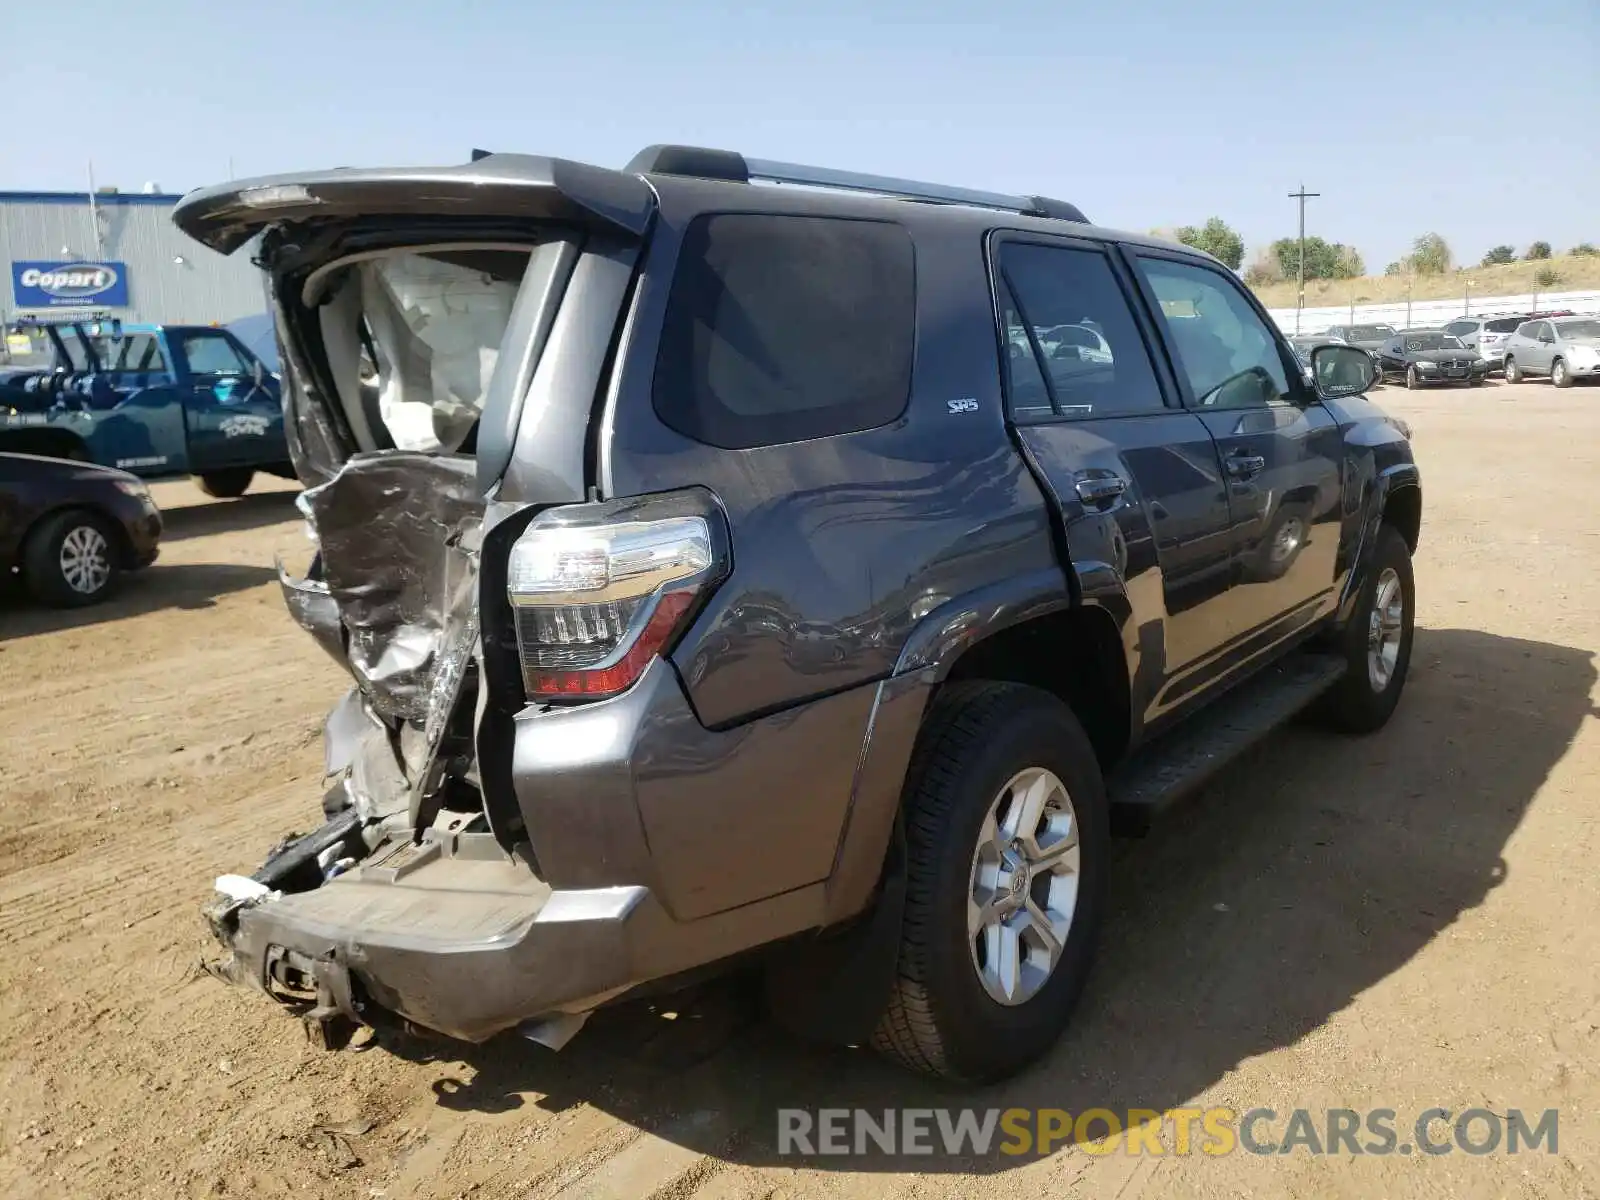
x,y
694,579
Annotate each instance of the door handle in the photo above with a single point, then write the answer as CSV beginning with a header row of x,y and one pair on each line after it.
x,y
1245,466
1101,491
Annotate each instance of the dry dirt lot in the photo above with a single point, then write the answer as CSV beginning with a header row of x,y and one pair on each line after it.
x,y
1402,922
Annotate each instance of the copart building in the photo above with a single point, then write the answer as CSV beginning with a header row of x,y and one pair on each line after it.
x,y
115,254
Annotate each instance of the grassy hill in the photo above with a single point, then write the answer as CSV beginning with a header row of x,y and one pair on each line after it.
x,y
1575,273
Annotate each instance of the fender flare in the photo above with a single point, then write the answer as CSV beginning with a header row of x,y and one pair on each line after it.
x,y
1388,481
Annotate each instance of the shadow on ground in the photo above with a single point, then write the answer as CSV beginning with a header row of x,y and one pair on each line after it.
x,y
228,516
1308,872
173,585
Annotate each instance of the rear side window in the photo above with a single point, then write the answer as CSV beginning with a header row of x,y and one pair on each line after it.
x,y
782,328
1073,348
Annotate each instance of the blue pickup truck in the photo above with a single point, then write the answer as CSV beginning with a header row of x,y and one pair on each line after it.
x,y
156,400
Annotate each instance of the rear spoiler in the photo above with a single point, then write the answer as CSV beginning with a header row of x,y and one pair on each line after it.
x,y
515,186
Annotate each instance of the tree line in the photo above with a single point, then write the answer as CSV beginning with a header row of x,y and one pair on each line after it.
x,y
1430,254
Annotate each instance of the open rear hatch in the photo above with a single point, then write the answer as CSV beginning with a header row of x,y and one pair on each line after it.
x,y
412,310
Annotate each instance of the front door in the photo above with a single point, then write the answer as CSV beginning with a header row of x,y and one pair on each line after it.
x,y
234,417
1281,451
1136,478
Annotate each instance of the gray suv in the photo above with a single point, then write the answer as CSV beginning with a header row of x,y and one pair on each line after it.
x,y
732,572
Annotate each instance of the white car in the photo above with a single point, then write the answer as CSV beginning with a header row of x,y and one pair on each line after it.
x,y
1565,348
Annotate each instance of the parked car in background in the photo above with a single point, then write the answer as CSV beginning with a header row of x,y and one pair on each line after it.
x,y
69,528
1427,356
1486,335
1368,337
1566,349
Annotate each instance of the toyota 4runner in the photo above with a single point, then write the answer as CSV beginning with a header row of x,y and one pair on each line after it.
x,y
735,557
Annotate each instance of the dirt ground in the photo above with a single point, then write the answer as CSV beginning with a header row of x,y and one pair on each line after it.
x,y
1403,922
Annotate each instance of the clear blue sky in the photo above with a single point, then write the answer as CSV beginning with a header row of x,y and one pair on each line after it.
x,y
1478,120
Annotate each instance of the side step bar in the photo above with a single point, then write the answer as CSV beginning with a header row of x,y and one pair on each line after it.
x,y
1177,763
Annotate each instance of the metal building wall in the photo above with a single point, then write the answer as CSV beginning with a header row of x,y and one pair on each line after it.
x,y
135,229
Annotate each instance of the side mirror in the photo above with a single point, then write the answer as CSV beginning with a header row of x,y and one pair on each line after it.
x,y
1341,371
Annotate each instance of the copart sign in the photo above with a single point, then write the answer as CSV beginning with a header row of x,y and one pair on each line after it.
x,y
69,285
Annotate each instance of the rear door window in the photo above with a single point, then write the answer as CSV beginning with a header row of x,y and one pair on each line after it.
x,y
1073,348
783,328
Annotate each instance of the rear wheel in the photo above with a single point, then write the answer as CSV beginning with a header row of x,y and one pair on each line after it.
x,y
70,560
1376,644
1513,372
1007,837
1560,374
226,485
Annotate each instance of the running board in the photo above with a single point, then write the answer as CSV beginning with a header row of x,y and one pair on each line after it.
x,y
1180,761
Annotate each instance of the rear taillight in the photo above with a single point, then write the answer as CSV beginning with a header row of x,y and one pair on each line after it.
x,y
594,603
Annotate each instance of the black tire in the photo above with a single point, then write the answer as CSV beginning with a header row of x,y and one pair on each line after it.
x,y
44,570
1513,372
226,485
1356,704
1559,375
940,1020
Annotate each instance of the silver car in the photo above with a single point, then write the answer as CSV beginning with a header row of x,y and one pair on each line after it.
x,y
1486,335
1564,348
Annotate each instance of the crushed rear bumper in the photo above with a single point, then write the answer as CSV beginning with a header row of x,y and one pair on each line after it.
x,y
450,934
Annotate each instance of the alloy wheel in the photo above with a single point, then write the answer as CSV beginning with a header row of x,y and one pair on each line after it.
x,y
1385,628
1023,888
85,560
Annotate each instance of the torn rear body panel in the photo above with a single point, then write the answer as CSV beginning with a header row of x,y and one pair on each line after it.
x,y
525,814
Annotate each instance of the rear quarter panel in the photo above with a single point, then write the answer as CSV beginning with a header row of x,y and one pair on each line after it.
x,y
841,544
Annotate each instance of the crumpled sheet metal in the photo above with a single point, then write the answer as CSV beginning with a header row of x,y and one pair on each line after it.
x,y
314,610
391,526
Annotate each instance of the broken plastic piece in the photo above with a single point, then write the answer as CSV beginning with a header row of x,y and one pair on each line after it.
x,y
555,1032
241,887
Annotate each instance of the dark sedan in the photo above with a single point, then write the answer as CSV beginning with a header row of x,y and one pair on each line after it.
x,y
1431,356
69,528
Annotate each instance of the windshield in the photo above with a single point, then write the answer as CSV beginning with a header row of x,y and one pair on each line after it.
x,y
1432,341
1579,329
1369,333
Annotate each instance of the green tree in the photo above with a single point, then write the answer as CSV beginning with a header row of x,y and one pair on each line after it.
x,y
1500,254
1539,250
1216,238
1395,268
1324,259
1547,277
1584,249
1430,255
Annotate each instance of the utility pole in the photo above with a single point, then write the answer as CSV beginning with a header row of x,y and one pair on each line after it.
x,y
1300,288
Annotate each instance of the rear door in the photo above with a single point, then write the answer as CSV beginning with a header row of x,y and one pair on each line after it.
x,y
1281,451
234,418
1136,478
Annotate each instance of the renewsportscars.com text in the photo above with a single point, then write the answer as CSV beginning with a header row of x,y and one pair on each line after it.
x,y
1213,1131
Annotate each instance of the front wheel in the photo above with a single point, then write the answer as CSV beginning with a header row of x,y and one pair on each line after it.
x,y
70,560
1413,378
1560,374
226,485
1007,836
1513,372
1376,644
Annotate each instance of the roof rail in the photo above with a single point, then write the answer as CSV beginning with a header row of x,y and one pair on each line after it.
x,y
702,163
